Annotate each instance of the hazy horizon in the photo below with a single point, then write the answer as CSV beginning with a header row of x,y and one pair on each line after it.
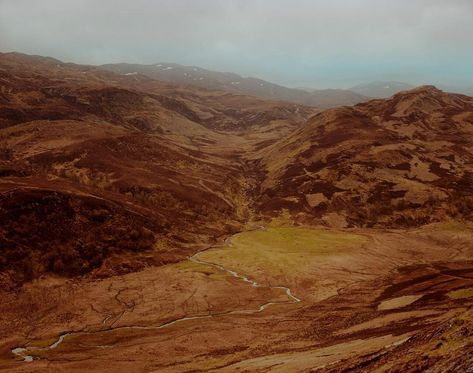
x,y
313,44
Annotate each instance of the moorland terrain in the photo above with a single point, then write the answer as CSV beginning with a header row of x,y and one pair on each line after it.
x,y
154,226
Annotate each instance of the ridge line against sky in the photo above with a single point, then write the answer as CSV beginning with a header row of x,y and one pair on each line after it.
x,y
309,43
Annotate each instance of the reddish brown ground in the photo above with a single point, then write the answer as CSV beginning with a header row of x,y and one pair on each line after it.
x,y
108,183
349,329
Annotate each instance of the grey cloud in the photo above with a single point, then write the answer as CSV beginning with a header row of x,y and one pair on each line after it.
x,y
298,42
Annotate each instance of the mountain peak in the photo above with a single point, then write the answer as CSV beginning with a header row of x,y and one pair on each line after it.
x,y
424,89
425,99
231,82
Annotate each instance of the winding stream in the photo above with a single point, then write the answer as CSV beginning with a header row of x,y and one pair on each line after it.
x,y
23,352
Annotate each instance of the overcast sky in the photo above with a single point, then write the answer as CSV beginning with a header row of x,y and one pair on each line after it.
x,y
312,43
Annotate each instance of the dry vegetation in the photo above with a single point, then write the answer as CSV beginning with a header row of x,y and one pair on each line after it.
x,y
400,162
109,183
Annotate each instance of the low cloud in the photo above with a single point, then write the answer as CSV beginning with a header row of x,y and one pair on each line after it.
x,y
299,42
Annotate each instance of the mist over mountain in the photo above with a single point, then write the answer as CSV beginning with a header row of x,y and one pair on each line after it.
x,y
387,89
317,44
196,76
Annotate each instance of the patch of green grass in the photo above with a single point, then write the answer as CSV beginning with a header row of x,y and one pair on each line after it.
x,y
189,266
452,226
284,219
451,339
461,293
292,240
43,342
444,346
278,250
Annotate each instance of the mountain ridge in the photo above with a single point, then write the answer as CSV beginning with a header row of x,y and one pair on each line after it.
x,y
161,220
400,157
232,82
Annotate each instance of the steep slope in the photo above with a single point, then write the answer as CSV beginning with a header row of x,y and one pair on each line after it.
x,y
35,87
196,76
146,226
399,162
108,174
447,347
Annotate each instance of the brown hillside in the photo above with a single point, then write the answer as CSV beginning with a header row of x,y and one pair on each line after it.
x,y
94,166
405,161
149,226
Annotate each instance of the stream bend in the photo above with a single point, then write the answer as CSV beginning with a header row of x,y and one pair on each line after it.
x,y
23,351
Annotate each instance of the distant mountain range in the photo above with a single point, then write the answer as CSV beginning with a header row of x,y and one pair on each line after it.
x,y
231,82
463,90
196,76
381,89
385,89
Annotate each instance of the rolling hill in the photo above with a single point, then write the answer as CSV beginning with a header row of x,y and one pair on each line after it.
x,y
202,78
99,170
109,146
150,225
404,161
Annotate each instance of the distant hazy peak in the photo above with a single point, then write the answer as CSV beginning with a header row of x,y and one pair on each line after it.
x,y
381,89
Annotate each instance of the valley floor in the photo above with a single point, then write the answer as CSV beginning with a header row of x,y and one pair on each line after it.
x,y
271,298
